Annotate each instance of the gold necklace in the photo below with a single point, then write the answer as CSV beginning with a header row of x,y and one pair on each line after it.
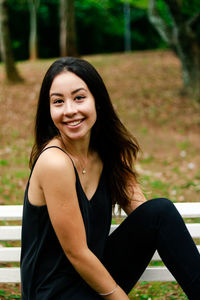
x,y
83,169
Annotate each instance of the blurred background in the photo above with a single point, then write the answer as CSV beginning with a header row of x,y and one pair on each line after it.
x,y
100,26
32,29
148,53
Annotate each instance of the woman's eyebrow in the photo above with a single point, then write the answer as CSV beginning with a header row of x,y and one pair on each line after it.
x,y
56,94
73,92
77,90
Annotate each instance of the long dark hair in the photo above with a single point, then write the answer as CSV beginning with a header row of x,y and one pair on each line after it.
x,y
115,145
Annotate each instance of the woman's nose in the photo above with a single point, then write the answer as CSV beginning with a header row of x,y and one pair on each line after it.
x,y
70,108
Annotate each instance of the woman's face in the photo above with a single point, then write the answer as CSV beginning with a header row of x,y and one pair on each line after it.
x,y
72,106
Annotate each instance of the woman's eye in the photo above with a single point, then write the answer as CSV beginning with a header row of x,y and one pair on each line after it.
x,y
79,97
58,101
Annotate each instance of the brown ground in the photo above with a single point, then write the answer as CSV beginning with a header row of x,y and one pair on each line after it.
x,y
146,91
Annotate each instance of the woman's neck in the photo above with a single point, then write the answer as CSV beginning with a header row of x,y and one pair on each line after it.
x,y
80,153
77,149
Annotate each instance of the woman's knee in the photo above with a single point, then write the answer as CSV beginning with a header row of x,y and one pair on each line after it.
x,y
153,212
158,204
154,206
163,203
164,209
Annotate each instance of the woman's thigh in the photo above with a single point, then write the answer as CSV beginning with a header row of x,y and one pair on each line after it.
x,y
131,246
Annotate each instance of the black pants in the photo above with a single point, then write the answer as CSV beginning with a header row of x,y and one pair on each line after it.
x,y
154,225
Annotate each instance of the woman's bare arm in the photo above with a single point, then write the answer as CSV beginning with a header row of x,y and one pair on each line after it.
x,y
57,180
137,198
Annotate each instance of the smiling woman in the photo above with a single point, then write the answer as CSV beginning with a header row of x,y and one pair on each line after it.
x,y
82,162
72,110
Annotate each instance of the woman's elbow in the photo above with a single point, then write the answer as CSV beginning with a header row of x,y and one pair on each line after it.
x,y
76,256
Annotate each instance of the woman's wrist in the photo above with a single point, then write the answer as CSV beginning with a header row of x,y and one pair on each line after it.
x,y
109,293
116,294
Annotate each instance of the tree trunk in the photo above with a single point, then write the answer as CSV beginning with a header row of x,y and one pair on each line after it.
x,y
6,47
188,51
33,42
127,27
182,37
68,45
63,28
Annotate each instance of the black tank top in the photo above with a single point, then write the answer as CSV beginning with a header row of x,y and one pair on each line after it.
x,y
46,272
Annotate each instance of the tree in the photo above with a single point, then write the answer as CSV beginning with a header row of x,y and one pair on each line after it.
x,y
127,19
68,43
127,27
6,47
181,32
33,43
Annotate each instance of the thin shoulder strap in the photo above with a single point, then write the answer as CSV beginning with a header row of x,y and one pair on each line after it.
x,y
58,148
45,150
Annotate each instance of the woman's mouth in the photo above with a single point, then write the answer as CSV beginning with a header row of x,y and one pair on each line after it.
x,y
74,123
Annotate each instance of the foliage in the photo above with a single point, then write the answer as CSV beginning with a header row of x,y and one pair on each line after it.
x,y
99,23
139,3
11,71
100,27
187,8
48,28
178,25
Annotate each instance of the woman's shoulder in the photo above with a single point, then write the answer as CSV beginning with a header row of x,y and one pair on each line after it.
x,y
51,167
54,158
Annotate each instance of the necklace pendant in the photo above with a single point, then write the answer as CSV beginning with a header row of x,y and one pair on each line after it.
x,y
84,171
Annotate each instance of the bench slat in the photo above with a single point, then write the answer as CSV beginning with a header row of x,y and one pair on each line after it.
x,y
10,233
187,210
194,229
9,275
13,254
150,274
156,256
13,233
157,274
11,212
10,254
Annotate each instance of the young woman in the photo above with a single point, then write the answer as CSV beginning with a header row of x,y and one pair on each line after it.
x,y
82,162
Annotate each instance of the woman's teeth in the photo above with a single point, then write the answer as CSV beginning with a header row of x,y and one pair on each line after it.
x,y
74,123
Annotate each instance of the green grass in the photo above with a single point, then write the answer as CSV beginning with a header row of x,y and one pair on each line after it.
x,y
3,162
6,295
157,291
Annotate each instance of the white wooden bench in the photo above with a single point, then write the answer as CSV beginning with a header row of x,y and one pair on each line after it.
x,y
9,232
